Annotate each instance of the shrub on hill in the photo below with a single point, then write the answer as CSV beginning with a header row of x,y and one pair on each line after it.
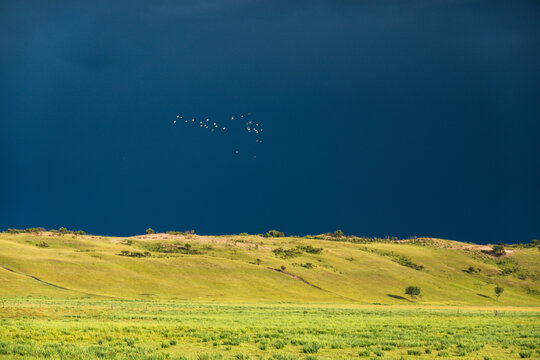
x,y
287,253
173,248
472,270
400,259
34,230
134,253
274,233
186,232
405,261
338,233
150,231
310,249
498,249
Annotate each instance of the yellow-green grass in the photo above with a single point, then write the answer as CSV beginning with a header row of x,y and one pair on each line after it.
x,y
225,269
138,329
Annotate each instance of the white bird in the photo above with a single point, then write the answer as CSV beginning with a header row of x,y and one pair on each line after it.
x,y
177,116
175,121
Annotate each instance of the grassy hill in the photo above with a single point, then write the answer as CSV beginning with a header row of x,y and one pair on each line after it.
x,y
259,269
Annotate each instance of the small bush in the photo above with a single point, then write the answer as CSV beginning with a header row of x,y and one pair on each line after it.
x,y
150,231
310,249
274,233
413,352
134,253
287,253
379,353
498,249
283,357
311,348
364,353
338,233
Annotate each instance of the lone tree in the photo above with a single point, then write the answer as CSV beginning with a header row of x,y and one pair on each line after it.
x,y
63,231
150,231
413,291
498,249
338,233
498,291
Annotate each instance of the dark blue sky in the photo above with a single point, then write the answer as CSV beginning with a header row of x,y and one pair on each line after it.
x,y
381,117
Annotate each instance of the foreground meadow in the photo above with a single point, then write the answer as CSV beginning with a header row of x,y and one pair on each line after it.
x,y
119,329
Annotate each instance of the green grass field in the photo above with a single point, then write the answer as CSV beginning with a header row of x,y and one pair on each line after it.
x,y
250,297
119,329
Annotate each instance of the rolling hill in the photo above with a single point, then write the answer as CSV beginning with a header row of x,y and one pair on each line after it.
x,y
258,269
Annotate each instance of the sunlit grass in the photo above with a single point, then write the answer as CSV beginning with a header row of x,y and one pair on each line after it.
x,y
86,328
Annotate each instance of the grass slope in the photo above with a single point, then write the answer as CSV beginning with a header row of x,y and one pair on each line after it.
x,y
225,269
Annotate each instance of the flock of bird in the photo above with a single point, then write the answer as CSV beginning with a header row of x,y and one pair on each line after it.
x,y
248,126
